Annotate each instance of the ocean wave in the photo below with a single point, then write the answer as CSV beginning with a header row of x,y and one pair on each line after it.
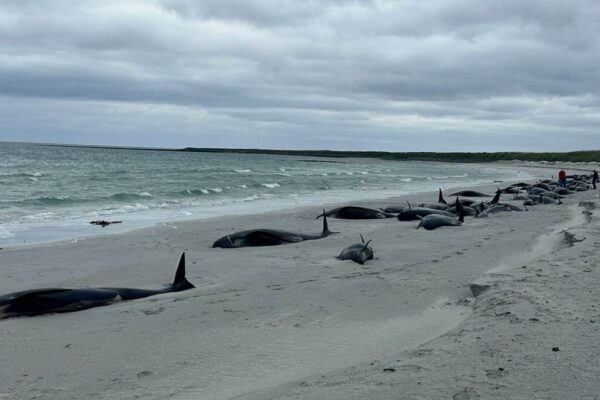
x,y
449,176
40,217
216,190
242,171
271,185
5,233
192,192
130,196
50,201
22,175
124,209
251,198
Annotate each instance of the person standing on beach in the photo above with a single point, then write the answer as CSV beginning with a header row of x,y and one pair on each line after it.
x,y
562,178
594,178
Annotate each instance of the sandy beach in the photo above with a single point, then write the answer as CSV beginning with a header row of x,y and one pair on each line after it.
x,y
292,322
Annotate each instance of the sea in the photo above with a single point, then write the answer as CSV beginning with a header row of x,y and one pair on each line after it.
x,y
50,193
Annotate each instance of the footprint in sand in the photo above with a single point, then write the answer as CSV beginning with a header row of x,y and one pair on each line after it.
x,y
496,373
153,311
144,374
467,393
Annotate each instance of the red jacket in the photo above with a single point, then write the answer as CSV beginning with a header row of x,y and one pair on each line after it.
x,y
562,175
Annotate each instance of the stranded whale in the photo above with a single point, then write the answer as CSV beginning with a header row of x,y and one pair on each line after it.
x,y
268,237
57,300
357,252
355,212
470,193
433,221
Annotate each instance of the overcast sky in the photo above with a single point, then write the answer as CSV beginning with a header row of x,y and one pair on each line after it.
x,y
403,75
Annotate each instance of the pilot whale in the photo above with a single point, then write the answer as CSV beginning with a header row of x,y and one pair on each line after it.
x,y
355,212
433,221
58,300
357,252
268,237
470,193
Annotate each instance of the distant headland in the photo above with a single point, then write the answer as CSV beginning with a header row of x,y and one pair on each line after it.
x,y
458,157
573,156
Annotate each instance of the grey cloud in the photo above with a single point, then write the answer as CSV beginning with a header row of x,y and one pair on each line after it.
x,y
313,74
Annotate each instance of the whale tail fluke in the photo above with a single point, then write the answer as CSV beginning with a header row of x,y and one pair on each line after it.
x,y
180,282
365,247
324,214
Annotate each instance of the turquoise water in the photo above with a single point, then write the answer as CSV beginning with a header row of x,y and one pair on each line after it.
x,y
51,193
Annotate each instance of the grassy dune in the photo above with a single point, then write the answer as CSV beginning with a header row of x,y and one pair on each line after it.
x,y
574,156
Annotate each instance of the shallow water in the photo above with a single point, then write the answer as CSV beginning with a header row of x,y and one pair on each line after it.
x,y
51,193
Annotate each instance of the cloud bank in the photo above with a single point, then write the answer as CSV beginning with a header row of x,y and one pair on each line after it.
x,y
440,75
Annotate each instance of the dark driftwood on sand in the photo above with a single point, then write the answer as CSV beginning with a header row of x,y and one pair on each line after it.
x,y
103,223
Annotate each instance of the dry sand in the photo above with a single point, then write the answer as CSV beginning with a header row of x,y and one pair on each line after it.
x,y
292,322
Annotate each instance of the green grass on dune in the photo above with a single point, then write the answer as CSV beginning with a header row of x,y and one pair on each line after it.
x,y
573,156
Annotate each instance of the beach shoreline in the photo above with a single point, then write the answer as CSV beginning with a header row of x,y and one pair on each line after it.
x,y
86,232
53,194
263,321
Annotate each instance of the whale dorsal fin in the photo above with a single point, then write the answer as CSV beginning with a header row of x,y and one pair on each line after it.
x,y
180,282
441,197
496,198
326,231
460,210
180,273
408,204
